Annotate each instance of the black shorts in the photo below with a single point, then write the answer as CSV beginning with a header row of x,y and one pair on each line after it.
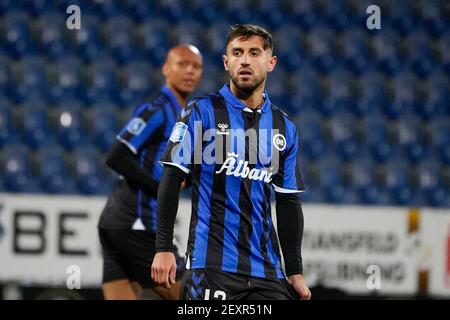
x,y
128,254
207,284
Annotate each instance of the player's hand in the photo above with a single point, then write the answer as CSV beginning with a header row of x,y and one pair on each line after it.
x,y
299,284
164,268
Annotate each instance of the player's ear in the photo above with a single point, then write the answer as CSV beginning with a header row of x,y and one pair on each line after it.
x,y
165,69
272,63
225,62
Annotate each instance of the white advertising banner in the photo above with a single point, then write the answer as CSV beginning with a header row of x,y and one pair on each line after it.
x,y
364,250
50,240
435,235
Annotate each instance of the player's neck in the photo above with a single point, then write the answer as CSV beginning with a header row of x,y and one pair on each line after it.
x,y
253,99
181,97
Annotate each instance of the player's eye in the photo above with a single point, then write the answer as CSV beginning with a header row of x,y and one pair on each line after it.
x,y
237,53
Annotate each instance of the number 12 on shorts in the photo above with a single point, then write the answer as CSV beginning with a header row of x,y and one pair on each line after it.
x,y
218,294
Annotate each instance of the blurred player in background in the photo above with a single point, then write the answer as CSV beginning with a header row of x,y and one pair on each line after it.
x,y
128,222
233,249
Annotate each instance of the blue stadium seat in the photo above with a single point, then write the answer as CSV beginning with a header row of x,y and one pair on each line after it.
x,y
53,172
375,195
119,36
16,170
402,16
420,54
312,194
311,134
8,5
101,82
363,171
387,51
173,11
436,103
16,35
107,9
306,13
405,95
337,14
104,125
30,79
429,173
35,126
440,131
321,43
444,153
355,50
342,195
154,41
288,46
433,18
5,74
330,172
375,129
65,80
37,7
141,10
438,197
444,51
51,38
135,84
87,39
69,126
373,88
209,12
409,130
188,31
306,90
398,180
87,171
340,92
342,127
8,133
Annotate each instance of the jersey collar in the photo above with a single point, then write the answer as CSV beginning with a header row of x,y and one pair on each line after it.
x,y
166,90
235,102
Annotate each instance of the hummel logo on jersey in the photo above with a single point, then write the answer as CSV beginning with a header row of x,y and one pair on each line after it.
x,y
279,142
223,129
240,169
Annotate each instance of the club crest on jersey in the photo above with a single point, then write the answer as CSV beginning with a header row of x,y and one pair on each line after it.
x,y
178,132
135,126
222,129
279,142
241,169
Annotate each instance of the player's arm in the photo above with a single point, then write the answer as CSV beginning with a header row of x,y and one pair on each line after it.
x,y
124,155
290,224
123,161
176,168
164,264
288,183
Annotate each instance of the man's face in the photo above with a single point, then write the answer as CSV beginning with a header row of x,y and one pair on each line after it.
x,y
248,63
183,70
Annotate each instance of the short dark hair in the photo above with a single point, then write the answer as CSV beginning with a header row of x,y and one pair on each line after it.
x,y
246,31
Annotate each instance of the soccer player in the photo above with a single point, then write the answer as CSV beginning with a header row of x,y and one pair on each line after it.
x,y
233,250
127,224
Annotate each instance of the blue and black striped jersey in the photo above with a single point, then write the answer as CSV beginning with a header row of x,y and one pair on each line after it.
x,y
236,155
146,135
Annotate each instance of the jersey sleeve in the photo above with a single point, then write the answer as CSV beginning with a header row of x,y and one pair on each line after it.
x,y
146,120
185,139
288,178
